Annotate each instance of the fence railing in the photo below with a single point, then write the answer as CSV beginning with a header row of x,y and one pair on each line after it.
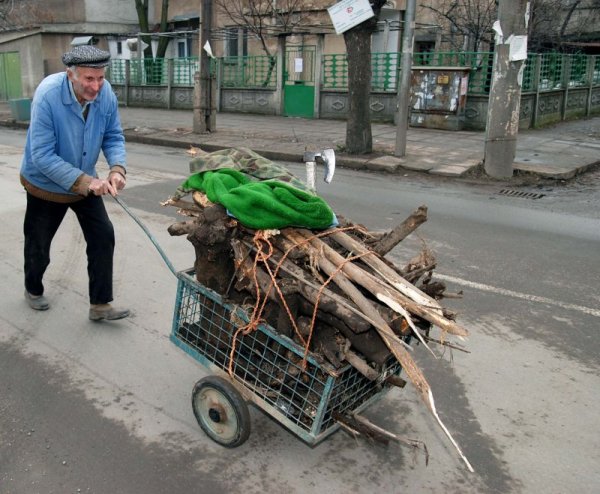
x,y
542,72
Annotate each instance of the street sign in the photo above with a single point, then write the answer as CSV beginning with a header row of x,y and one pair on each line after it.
x,y
348,13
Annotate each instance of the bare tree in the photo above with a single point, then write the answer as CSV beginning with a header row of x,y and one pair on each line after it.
x,y
467,23
17,15
264,19
555,22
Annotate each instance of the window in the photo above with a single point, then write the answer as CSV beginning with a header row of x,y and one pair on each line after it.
x,y
232,41
181,49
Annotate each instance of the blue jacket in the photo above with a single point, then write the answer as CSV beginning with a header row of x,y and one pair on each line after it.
x,y
61,145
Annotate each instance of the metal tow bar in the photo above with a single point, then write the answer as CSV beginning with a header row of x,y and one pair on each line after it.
x,y
147,232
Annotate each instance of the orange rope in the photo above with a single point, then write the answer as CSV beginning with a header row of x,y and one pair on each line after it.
x,y
260,240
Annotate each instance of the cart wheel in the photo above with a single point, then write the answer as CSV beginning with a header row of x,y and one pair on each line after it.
x,y
221,411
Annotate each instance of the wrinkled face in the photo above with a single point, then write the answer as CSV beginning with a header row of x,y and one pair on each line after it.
x,y
87,81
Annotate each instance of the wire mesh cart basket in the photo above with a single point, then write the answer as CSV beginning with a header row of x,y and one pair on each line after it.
x,y
266,371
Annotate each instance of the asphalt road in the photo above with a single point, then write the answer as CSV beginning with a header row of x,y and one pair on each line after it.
x,y
105,408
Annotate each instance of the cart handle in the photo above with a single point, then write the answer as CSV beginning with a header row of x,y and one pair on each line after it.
x,y
147,232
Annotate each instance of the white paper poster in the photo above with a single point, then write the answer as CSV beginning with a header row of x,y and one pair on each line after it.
x,y
518,48
348,13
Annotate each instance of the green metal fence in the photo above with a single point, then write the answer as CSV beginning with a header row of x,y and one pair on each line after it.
x,y
542,72
184,70
385,69
335,72
249,71
560,71
117,71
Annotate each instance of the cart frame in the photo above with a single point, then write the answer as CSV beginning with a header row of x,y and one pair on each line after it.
x,y
267,366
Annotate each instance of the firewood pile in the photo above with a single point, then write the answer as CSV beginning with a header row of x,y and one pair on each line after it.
x,y
332,291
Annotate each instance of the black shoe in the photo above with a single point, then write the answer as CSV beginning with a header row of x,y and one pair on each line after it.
x,y
107,312
37,302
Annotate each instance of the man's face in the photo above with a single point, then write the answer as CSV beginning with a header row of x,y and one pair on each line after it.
x,y
87,82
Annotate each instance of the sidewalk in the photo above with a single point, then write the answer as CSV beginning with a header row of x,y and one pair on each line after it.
x,y
558,152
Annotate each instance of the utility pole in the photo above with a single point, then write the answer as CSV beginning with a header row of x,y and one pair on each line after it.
x,y
205,117
510,54
405,77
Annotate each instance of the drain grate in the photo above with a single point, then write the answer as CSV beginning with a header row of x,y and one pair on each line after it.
x,y
520,193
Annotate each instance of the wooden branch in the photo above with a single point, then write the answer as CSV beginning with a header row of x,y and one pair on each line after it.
x,y
391,340
361,366
340,279
393,299
181,204
309,290
182,228
395,380
358,429
386,272
415,443
392,238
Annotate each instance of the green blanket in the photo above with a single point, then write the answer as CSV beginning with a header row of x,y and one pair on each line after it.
x,y
264,205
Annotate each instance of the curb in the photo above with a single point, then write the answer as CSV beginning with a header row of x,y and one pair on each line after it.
x,y
340,159
375,162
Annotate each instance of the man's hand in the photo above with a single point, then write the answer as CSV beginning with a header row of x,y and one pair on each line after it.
x,y
117,180
100,187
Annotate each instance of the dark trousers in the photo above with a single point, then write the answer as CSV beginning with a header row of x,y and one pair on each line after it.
x,y
42,219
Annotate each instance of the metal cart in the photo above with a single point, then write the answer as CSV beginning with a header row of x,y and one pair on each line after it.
x,y
267,371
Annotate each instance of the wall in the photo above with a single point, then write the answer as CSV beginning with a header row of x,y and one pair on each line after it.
x,y
111,10
30,52
551,107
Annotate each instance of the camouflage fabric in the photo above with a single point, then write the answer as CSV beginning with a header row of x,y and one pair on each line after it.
x,y
248,162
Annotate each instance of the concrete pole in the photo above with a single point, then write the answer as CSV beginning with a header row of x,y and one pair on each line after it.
x,y
505,93
405,78
204,99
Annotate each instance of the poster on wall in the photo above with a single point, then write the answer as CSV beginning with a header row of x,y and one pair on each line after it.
x,y
349,13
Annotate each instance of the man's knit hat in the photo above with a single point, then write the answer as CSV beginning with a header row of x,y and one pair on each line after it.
x,y
86,56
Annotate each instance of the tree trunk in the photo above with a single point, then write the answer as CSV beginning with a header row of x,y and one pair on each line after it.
x,y
359,139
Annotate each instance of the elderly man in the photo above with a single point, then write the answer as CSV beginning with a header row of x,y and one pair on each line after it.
x,y
74,116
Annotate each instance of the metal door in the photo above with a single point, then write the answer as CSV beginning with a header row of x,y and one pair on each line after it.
x,y
299,82
10,76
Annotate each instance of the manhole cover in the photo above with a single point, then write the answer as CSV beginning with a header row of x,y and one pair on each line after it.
x,y
520,193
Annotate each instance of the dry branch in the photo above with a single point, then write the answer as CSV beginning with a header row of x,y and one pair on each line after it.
x,y
392,238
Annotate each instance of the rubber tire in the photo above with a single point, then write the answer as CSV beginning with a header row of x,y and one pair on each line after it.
x,y
221,411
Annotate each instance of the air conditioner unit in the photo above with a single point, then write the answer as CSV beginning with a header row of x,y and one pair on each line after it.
x,y
84,40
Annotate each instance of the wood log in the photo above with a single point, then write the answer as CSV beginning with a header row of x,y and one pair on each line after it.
x,y
254,278
368,343
386,272
211,239
391,298
392,238
396,345
422,263
329,301
182,228
361,366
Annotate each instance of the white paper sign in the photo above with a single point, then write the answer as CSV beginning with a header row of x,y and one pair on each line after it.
x,y
498,30
297,65
349,13
518,48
